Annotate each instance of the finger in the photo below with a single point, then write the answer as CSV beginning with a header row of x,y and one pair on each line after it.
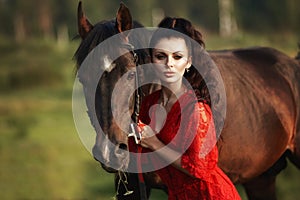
x,y
139,129
141,124
146,128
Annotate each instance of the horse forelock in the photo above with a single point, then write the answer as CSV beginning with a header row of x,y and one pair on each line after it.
x,y
101,31
108,64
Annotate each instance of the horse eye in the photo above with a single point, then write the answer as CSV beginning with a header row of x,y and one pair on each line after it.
x,y
131,75
104,75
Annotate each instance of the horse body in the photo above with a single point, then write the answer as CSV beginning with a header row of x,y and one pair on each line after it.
x,y
262,88
262,125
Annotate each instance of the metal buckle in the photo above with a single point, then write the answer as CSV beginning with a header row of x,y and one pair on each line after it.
x,y
135,133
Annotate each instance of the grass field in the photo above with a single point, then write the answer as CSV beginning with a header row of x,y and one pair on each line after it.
x,y
41,155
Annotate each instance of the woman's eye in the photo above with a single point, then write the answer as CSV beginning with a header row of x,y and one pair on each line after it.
x,y
177,57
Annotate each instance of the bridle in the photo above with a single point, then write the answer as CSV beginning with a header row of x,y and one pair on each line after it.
x,y
135,118
137,94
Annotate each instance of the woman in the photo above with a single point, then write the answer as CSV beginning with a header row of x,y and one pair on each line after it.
x,y
180,125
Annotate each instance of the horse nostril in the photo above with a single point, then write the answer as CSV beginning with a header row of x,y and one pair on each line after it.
x,y
123,146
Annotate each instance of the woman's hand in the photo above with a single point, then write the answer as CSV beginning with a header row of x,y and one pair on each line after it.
x,y
148,138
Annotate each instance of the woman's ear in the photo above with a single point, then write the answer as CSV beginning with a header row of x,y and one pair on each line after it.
x,y
189,64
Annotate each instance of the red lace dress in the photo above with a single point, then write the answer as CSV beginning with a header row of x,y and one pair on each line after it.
x,y
188,129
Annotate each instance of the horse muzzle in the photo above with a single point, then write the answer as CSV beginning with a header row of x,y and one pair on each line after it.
x,y
113,157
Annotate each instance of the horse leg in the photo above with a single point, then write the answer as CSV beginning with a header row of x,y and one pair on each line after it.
x,y
125,184
152,180
294,155
263,186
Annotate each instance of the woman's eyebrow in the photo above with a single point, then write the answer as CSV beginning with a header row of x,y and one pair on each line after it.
x,y
165,50
178,52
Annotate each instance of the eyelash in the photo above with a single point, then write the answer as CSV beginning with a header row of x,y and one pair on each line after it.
x,y
177,57
161,57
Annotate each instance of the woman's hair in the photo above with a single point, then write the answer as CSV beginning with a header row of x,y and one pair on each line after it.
x,y
182,28
166,33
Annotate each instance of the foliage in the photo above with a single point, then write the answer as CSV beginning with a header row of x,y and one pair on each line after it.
x,y
268,15
23,69
36,18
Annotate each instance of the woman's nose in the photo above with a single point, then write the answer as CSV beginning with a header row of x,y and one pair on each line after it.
x,y
170,62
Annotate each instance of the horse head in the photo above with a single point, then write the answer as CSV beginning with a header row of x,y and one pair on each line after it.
x,y
106,66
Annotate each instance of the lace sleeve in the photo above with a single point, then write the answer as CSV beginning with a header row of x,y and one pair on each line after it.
x,y
199,141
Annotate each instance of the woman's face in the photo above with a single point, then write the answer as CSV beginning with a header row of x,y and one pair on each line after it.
x,y
171,58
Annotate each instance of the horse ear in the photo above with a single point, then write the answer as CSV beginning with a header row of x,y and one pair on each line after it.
x,y
124,19
84,26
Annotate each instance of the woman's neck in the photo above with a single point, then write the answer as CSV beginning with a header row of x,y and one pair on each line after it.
x,y
171,92
172,88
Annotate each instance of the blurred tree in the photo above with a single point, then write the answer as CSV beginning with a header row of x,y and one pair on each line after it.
x,y
6,25
65,20
293,14
22,19
268,15
45,15
227,21
175,8
204,14
142,11
28,18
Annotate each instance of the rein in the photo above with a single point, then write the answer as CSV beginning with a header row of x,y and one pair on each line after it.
x,y
135,118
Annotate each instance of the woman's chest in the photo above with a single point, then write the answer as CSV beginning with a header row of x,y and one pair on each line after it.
x,y
167,125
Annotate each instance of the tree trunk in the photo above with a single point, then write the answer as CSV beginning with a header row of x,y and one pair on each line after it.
x,y
46,22
227,21
19,27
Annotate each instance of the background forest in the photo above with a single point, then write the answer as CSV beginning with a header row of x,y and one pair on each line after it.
x,y
48,18
41,155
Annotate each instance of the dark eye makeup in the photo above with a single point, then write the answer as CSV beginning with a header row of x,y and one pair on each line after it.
x,y
162,56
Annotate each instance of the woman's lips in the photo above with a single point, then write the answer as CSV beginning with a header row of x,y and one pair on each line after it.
x,y
169,74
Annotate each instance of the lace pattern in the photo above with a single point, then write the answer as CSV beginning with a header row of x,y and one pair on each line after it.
x,y
191,132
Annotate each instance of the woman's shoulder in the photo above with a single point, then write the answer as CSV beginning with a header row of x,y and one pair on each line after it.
x,y
190,100
196,108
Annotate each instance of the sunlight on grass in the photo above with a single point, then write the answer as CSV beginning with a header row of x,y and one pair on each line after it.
x,y
41,154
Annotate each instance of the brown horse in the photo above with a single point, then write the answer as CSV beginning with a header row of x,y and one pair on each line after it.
x,y
98,95
262,126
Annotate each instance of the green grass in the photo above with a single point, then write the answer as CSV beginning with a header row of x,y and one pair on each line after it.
x,y
286,43
41,155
